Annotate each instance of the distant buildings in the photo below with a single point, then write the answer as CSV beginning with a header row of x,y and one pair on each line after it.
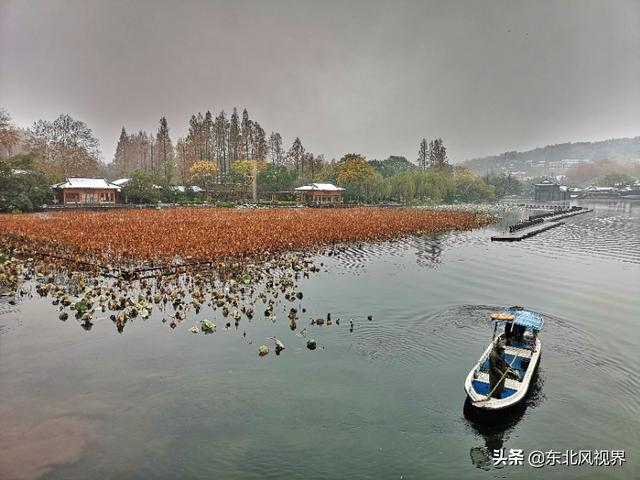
x,y
550,191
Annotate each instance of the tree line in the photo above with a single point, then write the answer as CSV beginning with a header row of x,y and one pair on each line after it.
x,y
221,140
235,152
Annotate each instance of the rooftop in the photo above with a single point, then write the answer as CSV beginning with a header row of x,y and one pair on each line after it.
x,y
321,187
94,183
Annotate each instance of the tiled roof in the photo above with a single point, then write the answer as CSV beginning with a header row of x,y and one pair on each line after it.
x,y
94,183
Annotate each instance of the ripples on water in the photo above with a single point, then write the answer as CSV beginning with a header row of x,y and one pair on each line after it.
x,y
388,397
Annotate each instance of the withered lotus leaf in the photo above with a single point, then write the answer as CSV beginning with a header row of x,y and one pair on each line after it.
x,y
128,237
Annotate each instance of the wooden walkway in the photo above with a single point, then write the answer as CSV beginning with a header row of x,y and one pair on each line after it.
x,y
521,235
548,224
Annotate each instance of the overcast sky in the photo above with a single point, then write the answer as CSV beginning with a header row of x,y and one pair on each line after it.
x,y
346,76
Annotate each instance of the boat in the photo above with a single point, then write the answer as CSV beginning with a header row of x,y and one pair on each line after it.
x,y
522,353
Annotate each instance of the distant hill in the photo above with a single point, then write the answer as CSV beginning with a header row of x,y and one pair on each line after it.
x,y
556,157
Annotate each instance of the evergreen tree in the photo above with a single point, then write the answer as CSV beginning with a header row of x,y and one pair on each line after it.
x,y
260,147
209,137
246,135
296,155
234,139
121,159
439,155
432,154
165,151
423,154
221,129
275,148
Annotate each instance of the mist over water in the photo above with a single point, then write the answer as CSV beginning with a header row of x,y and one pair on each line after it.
x,y
385,401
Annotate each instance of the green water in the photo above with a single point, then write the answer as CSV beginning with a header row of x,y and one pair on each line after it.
x,y
385,401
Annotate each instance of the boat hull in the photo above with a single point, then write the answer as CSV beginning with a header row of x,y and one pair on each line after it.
x,y
477,382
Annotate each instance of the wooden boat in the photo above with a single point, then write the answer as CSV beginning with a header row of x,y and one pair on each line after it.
x,y
522,353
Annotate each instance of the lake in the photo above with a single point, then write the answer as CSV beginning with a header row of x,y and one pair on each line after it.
x,y
383,401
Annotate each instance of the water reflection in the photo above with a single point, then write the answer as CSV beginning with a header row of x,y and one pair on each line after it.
x,y
429,249
496,427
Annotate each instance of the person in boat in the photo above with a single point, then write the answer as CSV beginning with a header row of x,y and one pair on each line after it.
x,y
497,368
508,332
518,333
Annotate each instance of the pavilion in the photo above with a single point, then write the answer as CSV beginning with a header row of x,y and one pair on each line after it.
x,y
320,193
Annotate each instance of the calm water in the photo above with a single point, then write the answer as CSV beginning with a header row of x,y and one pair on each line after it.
x,y
385,401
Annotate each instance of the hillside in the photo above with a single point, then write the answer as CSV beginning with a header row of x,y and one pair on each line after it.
x,y
556,157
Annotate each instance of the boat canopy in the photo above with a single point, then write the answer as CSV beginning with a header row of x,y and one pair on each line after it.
x,y
528,319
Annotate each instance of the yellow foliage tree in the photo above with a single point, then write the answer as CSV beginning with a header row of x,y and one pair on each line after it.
x,y
244,171
203,173
353,168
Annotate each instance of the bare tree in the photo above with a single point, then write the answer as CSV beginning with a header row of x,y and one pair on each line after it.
x,y
67,146
9,136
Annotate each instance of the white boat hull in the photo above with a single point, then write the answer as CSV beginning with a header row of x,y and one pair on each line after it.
x,y
520,388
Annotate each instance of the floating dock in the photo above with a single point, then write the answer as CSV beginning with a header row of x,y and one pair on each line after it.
x,y
515,234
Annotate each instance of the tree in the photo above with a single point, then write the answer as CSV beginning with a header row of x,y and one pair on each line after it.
x,y
9,136
208,134
403,187
353,172
295,156
392,165
469,188
204,174
313,165
615,179
221,129
183,160
67,146
165,151
246,135
276,153
259,148
245,173
375,188
141,188
245,170
423,154
432,185
504,185
275,178
438,155
23,186
234,139
121,159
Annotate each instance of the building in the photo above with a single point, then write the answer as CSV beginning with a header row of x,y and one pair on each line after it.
x,y
85,191
320,193
550,191
121,182
601,192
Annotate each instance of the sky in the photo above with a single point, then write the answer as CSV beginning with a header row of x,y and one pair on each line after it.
x,y
371,77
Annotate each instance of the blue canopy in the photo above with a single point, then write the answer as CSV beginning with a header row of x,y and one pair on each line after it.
x,y
528,319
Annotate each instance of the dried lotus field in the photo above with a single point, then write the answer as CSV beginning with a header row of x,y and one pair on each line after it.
x,y
196,234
